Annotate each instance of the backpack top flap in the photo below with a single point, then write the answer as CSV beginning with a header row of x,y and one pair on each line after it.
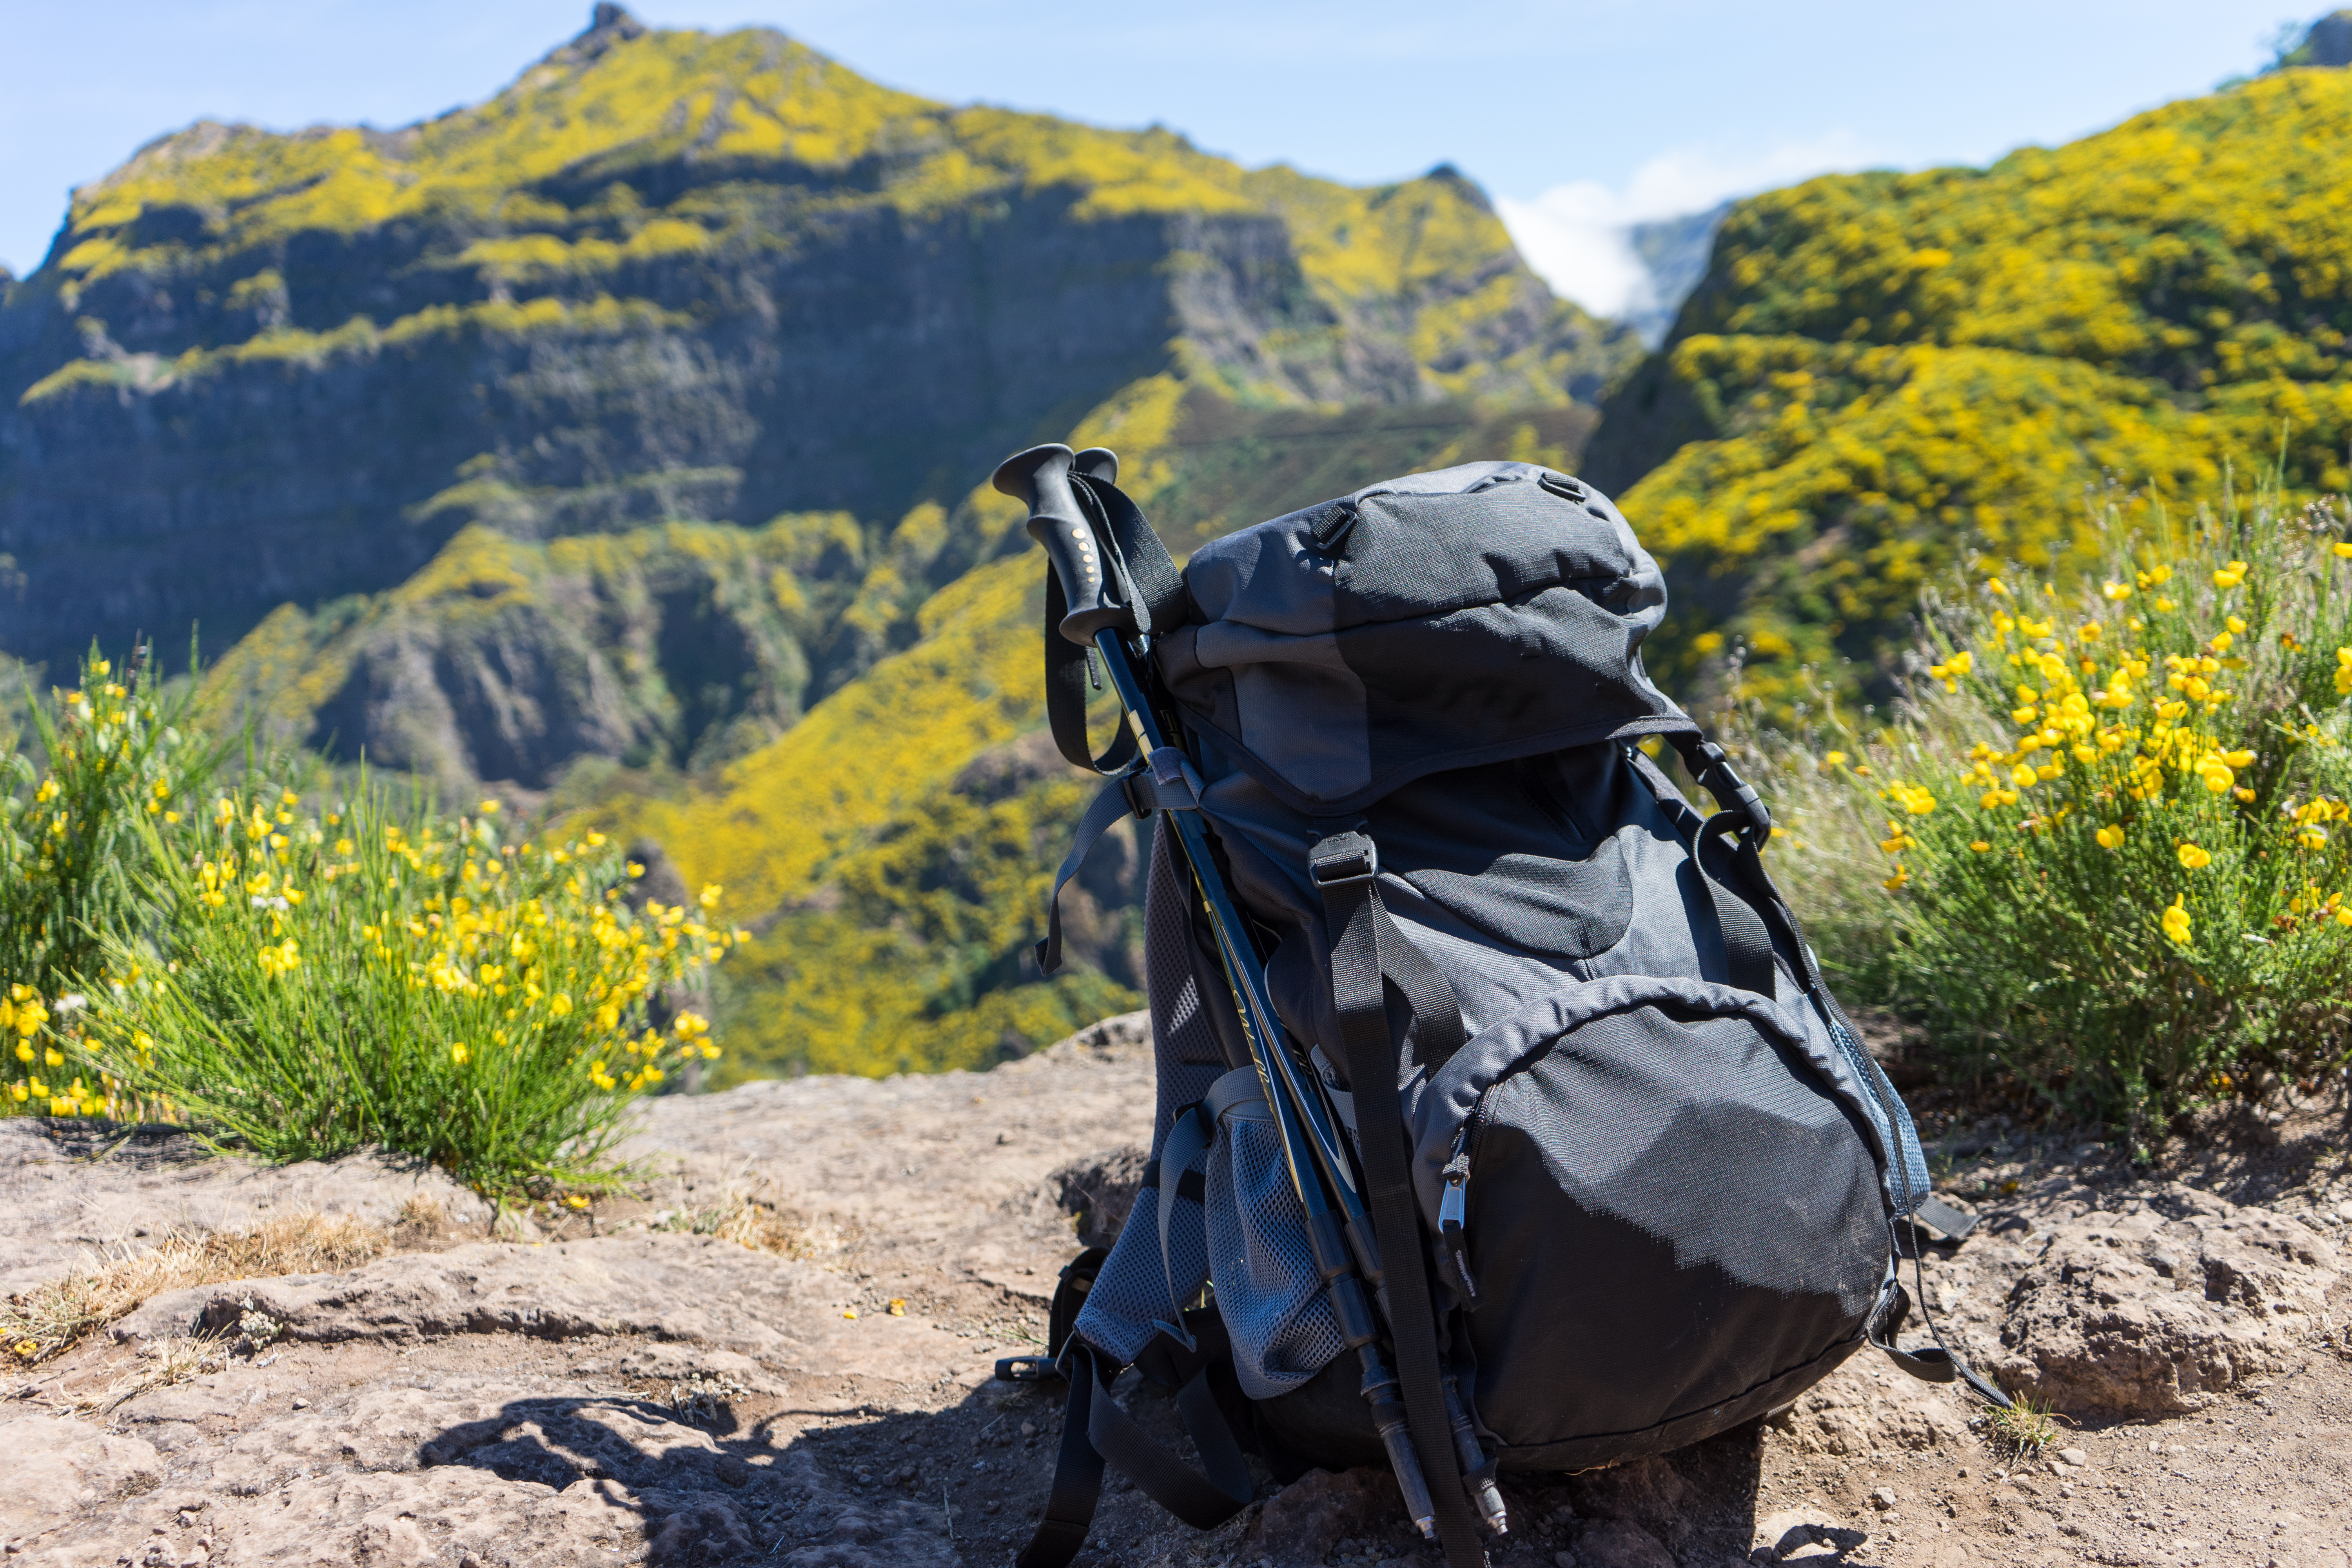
x,y
1440,620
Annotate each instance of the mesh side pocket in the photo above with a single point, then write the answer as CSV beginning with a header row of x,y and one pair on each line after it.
x,y
1271,1297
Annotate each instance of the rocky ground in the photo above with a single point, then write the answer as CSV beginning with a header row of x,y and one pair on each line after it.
x,y
782,1351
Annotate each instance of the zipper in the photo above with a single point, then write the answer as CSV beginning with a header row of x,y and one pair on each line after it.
x,y
1453,1215
1453,1202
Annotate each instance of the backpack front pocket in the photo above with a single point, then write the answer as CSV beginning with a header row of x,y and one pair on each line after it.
x,y
1665,1205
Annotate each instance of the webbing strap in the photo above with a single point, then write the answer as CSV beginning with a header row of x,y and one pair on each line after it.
x,y
1067,676
1930,1364
1149,582
1344,866
1747,945
1095,1429
1078,1475
1111,802
1166,781
1194,1130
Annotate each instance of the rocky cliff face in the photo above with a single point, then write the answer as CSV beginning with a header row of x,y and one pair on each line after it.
x,y
669,275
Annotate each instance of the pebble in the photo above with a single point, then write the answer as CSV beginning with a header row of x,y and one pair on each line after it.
x,y
1883,1499
2074,1457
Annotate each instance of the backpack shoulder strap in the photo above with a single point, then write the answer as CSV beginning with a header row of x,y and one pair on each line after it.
x,y
1367,952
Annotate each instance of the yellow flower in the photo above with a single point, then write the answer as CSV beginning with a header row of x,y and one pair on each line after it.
x,y
2343,551
1993,586
2021,776
458,1053
1898,882
2176,921
2230,576
54,1056
709,898
2343,914
559,1004
2116,592
1979,844
1833,759
2221,643
576,1200
635,869
1915,801
2194,857
2238,759
2312,837
2215,776
2110,837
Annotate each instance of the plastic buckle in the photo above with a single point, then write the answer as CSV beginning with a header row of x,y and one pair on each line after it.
x,y
1137,773
1346,867
1027,1369
1720,779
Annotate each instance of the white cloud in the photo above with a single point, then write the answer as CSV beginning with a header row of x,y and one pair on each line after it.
x,y
1574,235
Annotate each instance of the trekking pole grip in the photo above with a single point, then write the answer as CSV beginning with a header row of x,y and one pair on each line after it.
x,y
1040,479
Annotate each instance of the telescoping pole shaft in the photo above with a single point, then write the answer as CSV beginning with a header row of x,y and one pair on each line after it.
x,y
1322,1174
1042,477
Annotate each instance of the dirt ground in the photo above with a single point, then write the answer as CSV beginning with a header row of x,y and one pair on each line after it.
x,y
781,1351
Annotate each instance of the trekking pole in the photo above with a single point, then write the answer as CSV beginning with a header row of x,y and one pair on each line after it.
x,y
1041,479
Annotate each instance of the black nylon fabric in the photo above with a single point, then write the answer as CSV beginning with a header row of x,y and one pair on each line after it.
x,y
1681,1189
1469,615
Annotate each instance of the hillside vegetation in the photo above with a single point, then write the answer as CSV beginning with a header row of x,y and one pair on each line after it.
x,y
615,444
1882,374
674,275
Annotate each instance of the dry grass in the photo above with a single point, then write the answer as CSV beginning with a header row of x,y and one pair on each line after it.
x,y
742,1220
53,1317
156,1365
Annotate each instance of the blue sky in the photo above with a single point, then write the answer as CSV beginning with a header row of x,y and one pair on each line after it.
x,y
1579,115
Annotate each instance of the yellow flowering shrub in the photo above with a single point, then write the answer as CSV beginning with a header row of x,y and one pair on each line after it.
x,y
2103,842
115,752
333,977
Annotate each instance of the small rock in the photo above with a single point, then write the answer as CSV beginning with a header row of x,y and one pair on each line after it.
x,y
2074,1457
300,1404
1883,1499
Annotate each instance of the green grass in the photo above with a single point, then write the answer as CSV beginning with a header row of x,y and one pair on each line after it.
x,y
326,975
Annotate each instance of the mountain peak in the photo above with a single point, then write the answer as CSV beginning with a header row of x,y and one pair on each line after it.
x,y
2327,42
607,25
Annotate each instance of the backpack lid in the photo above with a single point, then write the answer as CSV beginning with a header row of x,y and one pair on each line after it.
x,y
1468,616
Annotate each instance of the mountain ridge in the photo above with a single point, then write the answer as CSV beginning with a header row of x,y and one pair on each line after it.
x,y
672,275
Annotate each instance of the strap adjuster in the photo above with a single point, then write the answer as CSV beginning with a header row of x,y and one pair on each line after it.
x,y
1721,780
1348,859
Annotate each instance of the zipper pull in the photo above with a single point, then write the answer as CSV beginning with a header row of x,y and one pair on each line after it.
x,y
1453,1218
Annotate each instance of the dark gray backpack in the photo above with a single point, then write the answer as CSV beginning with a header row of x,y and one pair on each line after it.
x,y
1644,1181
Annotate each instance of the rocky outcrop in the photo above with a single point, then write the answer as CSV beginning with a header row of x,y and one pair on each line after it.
x,y
2165,1308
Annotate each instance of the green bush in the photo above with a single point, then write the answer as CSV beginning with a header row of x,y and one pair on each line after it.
x,y
321,978
298,980
119,754
2101,843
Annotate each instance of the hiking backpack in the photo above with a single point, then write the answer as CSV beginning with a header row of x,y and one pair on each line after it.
x,y
1482,1052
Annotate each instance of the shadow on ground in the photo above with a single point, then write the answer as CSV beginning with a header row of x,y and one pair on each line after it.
x,y
730,1481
